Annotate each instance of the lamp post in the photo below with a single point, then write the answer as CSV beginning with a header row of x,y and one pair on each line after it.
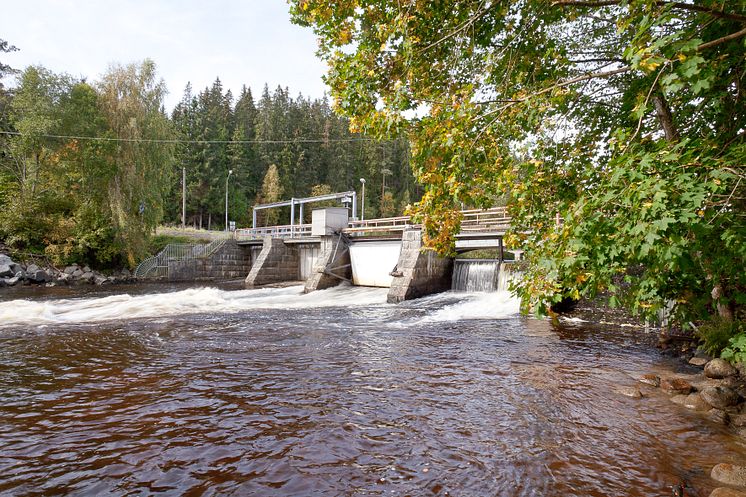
x,y
230,171
362,213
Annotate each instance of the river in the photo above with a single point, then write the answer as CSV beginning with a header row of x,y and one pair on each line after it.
x,y
219,391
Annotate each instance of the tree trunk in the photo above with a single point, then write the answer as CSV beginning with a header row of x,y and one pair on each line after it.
x,y
665,117
209,221
725,311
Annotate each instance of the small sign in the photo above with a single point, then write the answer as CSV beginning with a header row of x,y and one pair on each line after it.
x,y
232,225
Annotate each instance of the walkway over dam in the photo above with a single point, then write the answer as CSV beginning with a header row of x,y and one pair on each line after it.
x,y
332,249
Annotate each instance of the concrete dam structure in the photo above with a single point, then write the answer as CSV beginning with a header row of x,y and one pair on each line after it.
x,y
384,253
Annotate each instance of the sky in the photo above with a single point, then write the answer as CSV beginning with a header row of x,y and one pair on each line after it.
x,y
248,42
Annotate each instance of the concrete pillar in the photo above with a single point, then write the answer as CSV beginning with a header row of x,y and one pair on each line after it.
x,y
334,257
277,262
419,273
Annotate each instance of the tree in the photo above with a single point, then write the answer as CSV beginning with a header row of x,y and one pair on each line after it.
x,y
131,99
624,118
271,192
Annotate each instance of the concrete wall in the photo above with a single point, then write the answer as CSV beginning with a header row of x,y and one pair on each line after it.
x,y
418,272
334,258
230,261
277,262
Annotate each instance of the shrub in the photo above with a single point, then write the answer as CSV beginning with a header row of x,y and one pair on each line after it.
x,y
736,349
716,334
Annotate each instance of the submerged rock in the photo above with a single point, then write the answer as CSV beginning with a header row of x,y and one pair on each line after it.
x,y
676,385
718,416
727,492
730,474
632,392
651,379
738,420
691,401
719,397
718,368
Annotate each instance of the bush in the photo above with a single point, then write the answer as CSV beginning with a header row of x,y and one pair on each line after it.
x,y
716,334
736,349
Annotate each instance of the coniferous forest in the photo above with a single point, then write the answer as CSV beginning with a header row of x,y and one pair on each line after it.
x,y
88,169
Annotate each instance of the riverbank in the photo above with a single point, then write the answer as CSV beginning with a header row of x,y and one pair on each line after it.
x,y
37,271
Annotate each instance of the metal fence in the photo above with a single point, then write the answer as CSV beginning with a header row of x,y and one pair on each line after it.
x,y
157,266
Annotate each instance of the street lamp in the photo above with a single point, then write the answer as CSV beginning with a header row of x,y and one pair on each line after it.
x,y
362,214
230,171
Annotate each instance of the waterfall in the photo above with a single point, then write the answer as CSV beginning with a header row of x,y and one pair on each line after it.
x,y
481,275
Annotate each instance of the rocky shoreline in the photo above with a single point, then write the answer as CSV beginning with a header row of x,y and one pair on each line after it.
x,y
14,273
717,393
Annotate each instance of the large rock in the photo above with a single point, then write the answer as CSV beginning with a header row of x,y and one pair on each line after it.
x,y
676,385
730,474
12,281
77,273
718,368
6,271
727,492
32,268
719,397
38,276
71,269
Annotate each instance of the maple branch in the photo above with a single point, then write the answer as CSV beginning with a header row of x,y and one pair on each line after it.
x,y
659,3
732,36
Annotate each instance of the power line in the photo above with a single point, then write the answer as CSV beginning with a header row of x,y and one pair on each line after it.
x,y
198,142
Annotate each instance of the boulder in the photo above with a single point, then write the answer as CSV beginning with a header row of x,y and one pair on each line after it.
x,y
12,281
77,273
99,279
718,368
698,361
727,492
32,268
719,397
86,269
6,271
651,379
676,385
126,273
71,269
38,276
730,474
5,259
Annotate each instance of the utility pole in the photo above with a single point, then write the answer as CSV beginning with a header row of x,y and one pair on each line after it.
x,y
230,171
362,214
183,198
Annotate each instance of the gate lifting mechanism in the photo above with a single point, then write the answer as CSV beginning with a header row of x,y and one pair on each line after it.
x,y
345,197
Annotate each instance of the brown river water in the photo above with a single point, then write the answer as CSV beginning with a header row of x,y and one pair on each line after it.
x,y
208,391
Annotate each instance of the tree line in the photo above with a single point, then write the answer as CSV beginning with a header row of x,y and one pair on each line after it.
x,y
89,169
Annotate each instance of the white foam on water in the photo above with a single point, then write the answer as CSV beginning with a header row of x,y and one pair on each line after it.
x,y
191,301
481,305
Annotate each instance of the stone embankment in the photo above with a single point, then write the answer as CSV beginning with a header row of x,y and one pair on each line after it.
x,y
13,273
718,392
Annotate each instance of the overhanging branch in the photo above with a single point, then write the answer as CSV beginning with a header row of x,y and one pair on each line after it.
x,y
661,3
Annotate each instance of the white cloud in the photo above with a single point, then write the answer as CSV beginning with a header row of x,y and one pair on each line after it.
x,y
242,42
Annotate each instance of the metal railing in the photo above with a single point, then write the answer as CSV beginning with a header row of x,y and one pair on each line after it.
x,y
473,221
157,266
284,231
